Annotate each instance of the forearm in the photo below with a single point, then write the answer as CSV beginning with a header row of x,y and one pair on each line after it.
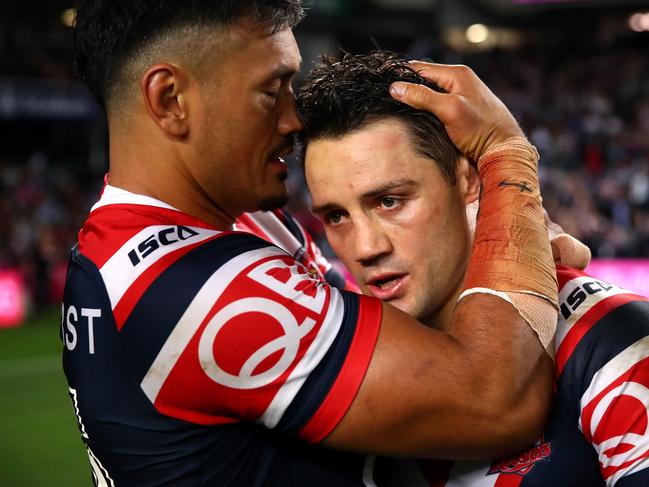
x,y
505,379
511,255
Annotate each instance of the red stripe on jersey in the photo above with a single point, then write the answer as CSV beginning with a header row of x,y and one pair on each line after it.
x,y
586,322
344,389
109,227
246,224
626,414
509,480
133,294
567,274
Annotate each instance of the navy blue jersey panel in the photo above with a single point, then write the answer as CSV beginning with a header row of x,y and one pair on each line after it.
x,y
639,479
123,429
563,457
261,457
612,334
182,280
319,382
335,278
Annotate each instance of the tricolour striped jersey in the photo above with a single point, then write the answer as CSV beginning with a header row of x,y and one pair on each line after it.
x,y
201,357
598,430
281,229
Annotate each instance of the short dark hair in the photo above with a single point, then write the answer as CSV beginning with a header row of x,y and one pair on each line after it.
x,y
340,96
108,32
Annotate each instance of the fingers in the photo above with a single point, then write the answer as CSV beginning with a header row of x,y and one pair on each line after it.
x,y
417,96
569,251
445,76
448,77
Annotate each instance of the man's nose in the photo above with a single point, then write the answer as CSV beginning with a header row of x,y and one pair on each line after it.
x,y
371,242
289,121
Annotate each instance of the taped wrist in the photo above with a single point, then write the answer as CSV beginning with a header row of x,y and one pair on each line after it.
x,y
536,311
511,252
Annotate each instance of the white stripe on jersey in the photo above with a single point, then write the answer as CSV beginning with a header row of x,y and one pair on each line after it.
x,y
614,369
274,229
602,380
368,471
563,325
117,196
194,316
319,347
119,272
630,470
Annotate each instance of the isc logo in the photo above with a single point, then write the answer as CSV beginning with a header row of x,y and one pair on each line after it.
x,y
164,237
578,295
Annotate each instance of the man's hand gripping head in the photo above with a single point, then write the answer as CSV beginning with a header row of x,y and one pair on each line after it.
x,y
484,130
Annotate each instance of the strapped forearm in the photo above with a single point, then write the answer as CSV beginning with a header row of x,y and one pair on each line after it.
x,y
511,252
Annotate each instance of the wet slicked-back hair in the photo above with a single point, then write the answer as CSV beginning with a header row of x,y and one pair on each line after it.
x,y
109,32
341,96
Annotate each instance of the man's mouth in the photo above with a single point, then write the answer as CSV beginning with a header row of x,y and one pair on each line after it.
x,y
384,284
281,152
387,286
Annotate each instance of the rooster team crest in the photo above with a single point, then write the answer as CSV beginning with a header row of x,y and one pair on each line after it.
x,y
521,463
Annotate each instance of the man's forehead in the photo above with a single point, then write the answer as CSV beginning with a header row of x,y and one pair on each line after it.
x,y
280,46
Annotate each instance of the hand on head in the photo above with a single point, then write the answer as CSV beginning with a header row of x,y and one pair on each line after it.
x,y
475,119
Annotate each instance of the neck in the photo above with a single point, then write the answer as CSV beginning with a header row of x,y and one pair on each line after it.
x,y
441,319
144,168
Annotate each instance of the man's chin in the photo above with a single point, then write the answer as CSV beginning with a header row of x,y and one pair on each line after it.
x,y
273,202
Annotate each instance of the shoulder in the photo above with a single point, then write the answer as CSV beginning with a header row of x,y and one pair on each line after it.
x,y
602,369
594,314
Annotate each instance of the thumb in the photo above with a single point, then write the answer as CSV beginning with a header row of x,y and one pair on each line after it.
x,y
417,96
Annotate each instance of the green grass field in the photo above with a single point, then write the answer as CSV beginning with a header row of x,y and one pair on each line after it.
x,y
40,444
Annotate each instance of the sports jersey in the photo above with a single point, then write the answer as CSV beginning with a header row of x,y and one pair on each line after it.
x,y
598,430
203,357
281,229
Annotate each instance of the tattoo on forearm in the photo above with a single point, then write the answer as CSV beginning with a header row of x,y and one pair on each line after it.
x,y
522,186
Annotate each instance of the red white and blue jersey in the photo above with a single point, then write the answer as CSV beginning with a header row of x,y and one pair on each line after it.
x,y
281,229
598,430
201,357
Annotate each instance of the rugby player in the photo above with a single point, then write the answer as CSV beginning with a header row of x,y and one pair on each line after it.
x,y
199,355
393,192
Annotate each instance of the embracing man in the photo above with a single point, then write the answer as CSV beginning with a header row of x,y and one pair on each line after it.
x,y
196,354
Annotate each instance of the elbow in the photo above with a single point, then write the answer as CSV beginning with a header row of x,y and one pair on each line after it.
x,y
514,417
515,429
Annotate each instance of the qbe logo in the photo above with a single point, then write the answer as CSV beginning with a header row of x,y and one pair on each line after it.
x,y
292,303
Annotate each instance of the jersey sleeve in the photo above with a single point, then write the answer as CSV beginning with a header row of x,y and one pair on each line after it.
x,y
603,371
313,257
236,330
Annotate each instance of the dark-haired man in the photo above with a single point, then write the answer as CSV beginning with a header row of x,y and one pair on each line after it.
x,y
393,195
198,355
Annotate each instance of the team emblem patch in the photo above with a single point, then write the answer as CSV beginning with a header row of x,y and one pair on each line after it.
x,y
522,463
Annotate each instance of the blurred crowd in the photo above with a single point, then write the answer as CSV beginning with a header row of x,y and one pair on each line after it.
x,y
587,113
41,208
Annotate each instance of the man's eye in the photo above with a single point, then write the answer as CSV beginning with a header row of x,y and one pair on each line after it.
x,y
272,94
388,202
334,218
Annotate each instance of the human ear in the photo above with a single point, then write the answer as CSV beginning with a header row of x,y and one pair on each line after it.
x,y
468,180
164,92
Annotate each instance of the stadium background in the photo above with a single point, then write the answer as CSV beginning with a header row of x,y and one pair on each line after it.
x,y
575,74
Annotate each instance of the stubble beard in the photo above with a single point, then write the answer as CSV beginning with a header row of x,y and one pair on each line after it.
x,y
274,202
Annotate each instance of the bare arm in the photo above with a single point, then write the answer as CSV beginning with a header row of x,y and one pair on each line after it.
x,y
483,389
